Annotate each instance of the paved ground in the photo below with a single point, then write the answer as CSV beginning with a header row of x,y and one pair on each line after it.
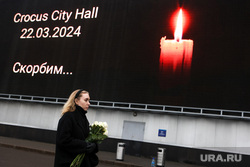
x,y
13,157
25,153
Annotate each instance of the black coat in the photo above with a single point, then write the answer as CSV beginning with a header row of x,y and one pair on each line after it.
x,y
72,130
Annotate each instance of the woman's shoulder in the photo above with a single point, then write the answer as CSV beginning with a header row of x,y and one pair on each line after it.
x,y
67,118
68,115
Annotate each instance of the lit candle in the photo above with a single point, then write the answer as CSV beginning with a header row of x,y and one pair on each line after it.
x,y
175,58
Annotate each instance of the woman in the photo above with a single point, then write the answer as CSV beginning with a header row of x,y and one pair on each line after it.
x,y
72,130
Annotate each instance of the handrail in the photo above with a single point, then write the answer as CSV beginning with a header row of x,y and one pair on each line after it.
x,y
138,107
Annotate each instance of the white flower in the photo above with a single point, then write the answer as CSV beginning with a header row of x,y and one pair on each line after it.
x,y
105,125
95,123
106,132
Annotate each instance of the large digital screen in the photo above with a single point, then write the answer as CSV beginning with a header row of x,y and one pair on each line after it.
x,y
170,52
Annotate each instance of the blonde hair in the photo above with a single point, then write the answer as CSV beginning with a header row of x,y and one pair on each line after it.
x,y
70,105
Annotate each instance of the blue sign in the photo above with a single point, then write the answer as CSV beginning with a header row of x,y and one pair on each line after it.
x,y
162,132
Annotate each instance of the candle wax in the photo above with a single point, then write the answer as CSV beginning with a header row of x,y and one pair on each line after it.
x,y
175,61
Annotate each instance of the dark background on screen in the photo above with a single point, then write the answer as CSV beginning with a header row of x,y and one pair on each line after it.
x,y
116,57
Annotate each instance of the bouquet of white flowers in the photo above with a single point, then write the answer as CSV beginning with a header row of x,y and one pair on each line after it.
x,y
98,132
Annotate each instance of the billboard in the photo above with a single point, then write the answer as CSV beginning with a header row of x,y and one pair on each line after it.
x,y
128,50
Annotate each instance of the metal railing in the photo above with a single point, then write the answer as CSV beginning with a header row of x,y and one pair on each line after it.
x,y
160,109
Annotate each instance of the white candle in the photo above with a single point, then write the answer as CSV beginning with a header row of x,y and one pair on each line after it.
x,y
175,58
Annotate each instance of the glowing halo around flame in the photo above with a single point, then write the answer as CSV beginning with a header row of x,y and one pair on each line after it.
x,y
180,20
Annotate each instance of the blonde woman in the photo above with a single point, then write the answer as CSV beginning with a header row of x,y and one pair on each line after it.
x,y
72,130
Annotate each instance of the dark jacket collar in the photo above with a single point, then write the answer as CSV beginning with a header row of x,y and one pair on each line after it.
x,y
80,109
81,119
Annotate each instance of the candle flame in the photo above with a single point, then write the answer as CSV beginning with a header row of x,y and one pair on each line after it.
x,y
178,30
